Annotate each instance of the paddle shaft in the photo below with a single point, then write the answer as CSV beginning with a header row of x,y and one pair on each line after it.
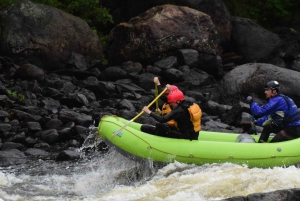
x,y
156,93
137,116
150,104
254,127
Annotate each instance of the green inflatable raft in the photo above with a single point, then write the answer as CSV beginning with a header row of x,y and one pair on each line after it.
x,y
211,147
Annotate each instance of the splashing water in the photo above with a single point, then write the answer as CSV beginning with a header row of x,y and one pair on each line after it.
x,y
92,139
111,176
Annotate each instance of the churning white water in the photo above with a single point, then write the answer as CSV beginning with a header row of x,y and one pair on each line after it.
x,y
112,177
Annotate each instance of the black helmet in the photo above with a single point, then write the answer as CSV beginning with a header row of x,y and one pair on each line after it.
x,y
274,85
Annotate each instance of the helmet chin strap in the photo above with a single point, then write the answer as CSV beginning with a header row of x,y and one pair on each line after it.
x,y
273,94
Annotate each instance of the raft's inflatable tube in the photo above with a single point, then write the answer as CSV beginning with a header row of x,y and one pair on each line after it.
x,y
245,138
211,147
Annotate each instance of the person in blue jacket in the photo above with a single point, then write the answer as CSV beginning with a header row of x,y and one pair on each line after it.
x,y
280,115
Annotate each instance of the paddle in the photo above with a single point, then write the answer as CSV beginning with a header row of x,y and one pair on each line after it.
x,y
156,102
137,116
253,126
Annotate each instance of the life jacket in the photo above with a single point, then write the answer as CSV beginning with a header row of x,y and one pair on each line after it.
x,y
195,116
292,114
287,117
166,109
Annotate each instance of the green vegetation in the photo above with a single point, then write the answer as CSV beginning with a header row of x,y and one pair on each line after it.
x,y
88,10
5,3
91,11
14,94
11,93
267,13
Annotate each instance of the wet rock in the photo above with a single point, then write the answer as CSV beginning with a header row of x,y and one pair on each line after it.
x,y
214,124
252,41
184,68
12,157
81,119
42,145
196,95
67,87
53,123
215,108
50,135
188,57
3,114
74,143
153,70
233,116
173,75
90,96
167,63
34,126
195,78
211,64
51,105
17,137
14,122
128,114
81,130
30,72
77,61
30,142
24,116
68,155
280,195
4,128
74,100
66,131
125,104
12,145
132,68
36,153
3,100
296,64
51,92
113,73
146,81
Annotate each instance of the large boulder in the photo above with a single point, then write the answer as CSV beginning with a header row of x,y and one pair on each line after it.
x,y
250,79
160,31
219,14
252,41
46,36
124,10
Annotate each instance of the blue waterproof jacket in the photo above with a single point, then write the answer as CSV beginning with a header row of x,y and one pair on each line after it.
x,y
280,110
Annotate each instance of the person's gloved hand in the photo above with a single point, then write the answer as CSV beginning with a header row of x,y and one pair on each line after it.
x,y
249,99
253,123
158,111
156,81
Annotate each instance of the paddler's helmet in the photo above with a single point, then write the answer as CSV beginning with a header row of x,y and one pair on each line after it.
x,y
172,88
273,85
175,96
